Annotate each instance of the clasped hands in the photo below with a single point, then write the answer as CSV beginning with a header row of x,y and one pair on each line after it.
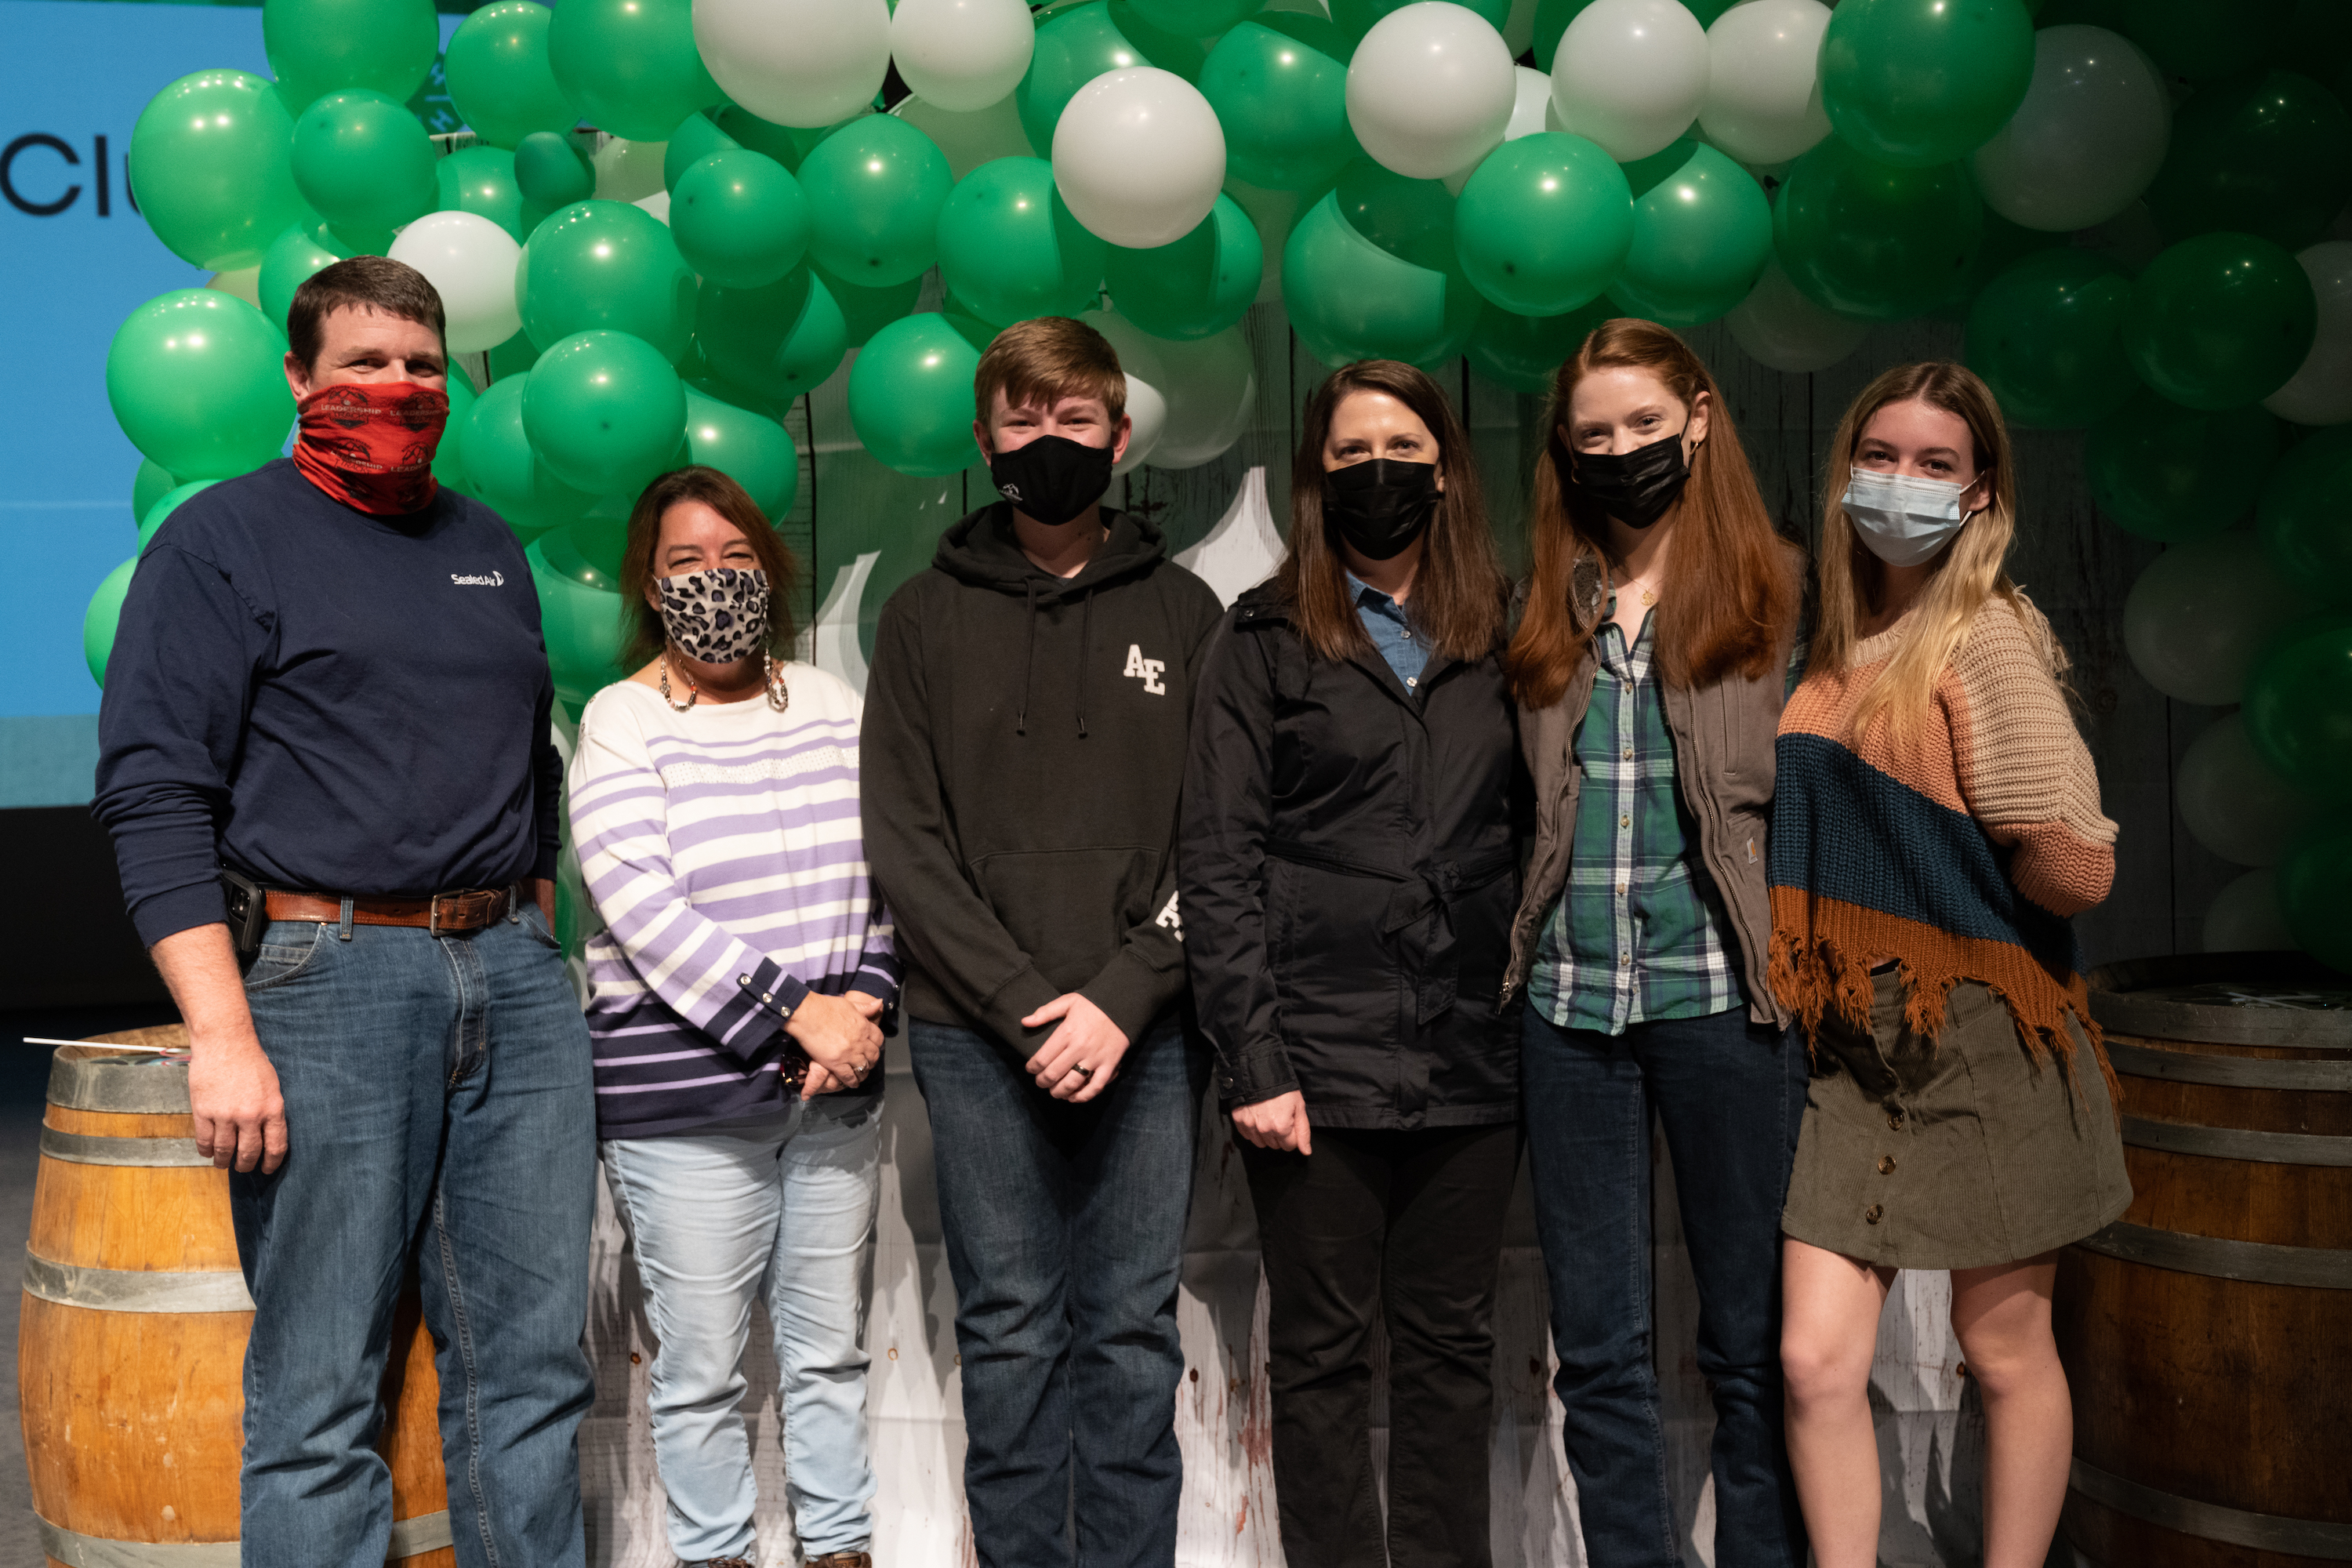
x,y
841,1038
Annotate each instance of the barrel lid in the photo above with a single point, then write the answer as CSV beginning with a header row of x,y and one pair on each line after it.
x,y
2284,999
90,1077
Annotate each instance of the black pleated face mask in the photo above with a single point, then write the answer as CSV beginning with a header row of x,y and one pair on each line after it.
x,y
1381,505
1052,478
1637,487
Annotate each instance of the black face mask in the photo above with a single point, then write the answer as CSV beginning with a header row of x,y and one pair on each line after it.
x,y
1052,479
1381,506
1637,487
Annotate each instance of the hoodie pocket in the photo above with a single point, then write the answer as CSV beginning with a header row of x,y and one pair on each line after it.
x,y
1069,910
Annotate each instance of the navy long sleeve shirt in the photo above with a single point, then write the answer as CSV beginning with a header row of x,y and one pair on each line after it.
x,y
326,701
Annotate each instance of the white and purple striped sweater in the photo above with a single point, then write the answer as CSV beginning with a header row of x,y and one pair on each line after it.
x,y
723,856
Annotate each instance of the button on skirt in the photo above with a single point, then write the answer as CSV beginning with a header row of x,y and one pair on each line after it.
x,y
1955,1151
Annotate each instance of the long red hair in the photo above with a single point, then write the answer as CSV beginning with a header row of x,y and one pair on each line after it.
x,y
1734,581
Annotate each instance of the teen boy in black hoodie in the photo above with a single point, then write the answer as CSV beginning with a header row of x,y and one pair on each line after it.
x,y
1025,739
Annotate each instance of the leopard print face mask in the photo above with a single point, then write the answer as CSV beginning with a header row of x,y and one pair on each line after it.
x,y
718,615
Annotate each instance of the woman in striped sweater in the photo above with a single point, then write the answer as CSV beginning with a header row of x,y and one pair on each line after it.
x,y
735,992
1936,824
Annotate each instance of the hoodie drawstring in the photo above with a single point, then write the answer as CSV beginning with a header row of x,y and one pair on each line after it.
x,y
1086,656
1029,668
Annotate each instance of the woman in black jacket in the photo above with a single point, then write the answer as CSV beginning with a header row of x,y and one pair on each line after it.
x,y
1348,873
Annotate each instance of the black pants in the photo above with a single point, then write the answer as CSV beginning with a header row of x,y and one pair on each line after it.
x,y
1407,1227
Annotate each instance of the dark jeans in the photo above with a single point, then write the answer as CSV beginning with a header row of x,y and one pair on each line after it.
x,y
1407,1227
1065,1228
1730,1096
439,1108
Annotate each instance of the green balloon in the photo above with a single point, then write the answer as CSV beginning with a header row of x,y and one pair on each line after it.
x,y
697,137
197,380
1194,18
2175,474
2192,38
2302,518
154,481
605,411
630,67
1356,17
2220,320
449,458
504,474
739,218
1545,223
481,181
499,77
303,249
2311,881
2298,704
164,506
1921,82
1349,300
1279,86
1073,47
1195,286
213,172
1873,241
2047,337
1170,51
1522,352
750,449
1702,234
2271,156
551,172
1010,250
866,312
105,614
580,615
363,162
319,47
1410,219
605,265
875,188
778,340
513,357
910,397
787,144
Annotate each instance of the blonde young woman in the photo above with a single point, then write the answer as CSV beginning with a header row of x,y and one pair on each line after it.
x,y
1936,824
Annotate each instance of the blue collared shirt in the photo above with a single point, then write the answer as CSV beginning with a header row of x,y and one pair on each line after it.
x,y
1386,622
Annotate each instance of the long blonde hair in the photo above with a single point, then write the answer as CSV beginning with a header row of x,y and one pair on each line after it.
x,y
1972,568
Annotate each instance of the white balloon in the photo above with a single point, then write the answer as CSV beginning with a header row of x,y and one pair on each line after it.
x,y
1430,89
804,63
1139,157
627,170
1763,99
962,55
1210,386
1780,328
1631,75
241,282
2234,803
2321,392
2245,917
2199,612
1531,107
2088,138
968,139
470,262
657,204
1146,416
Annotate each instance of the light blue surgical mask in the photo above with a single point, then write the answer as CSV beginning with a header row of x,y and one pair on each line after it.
x,y
1905,519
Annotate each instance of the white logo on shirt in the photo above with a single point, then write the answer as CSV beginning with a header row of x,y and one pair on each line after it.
x,y
494,580
1145,670
1168,917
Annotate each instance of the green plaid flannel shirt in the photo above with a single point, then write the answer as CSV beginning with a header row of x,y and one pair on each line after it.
x,y
1638,933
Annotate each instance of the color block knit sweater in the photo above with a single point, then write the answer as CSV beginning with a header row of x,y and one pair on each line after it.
x,y
1958,850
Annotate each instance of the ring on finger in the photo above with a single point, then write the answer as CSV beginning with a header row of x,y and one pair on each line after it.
x,y
1083,1072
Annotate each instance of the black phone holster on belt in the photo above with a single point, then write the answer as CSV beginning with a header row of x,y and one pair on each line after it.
x,y
248,911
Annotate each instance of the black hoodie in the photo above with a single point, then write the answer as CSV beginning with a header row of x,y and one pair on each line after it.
x,y
1020,762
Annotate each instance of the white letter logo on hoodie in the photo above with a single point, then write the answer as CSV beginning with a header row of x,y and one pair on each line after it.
x,y
1145,670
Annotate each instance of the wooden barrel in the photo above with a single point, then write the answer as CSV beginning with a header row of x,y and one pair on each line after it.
x,y
130,1352
2208,1333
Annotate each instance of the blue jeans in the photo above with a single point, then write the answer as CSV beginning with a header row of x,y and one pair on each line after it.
x,y
439,1109
1730,1096
1065,1229
781,1208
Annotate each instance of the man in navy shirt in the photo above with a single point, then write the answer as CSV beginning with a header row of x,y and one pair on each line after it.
x,y
327,766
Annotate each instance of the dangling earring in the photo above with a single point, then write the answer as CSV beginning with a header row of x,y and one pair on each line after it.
x,y
693,692
780,695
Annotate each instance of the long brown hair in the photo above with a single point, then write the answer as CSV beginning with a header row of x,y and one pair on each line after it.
x,y
1735,592
1971,570
642,622
1460,596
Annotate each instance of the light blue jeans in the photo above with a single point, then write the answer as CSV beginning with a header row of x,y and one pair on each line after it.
x,y
780,1208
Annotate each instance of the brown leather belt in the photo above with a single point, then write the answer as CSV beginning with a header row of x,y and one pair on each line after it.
x,y
468,911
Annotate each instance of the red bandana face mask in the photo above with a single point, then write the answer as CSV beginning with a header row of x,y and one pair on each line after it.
x,y
371,445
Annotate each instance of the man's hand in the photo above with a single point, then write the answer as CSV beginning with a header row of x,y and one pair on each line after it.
x,y
836,1037
1279,1123
542,893
240,1117
1086,1039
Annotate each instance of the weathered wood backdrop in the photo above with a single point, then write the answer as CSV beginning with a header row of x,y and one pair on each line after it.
x,y
2077,567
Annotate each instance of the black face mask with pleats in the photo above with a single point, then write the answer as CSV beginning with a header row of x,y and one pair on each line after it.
x,y
1380,506
1052,478
1637,487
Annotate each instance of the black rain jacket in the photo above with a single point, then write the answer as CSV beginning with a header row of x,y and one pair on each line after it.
x,y
1349,870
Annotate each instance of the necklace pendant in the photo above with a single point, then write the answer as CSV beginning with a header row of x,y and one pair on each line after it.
x,y
1649,597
